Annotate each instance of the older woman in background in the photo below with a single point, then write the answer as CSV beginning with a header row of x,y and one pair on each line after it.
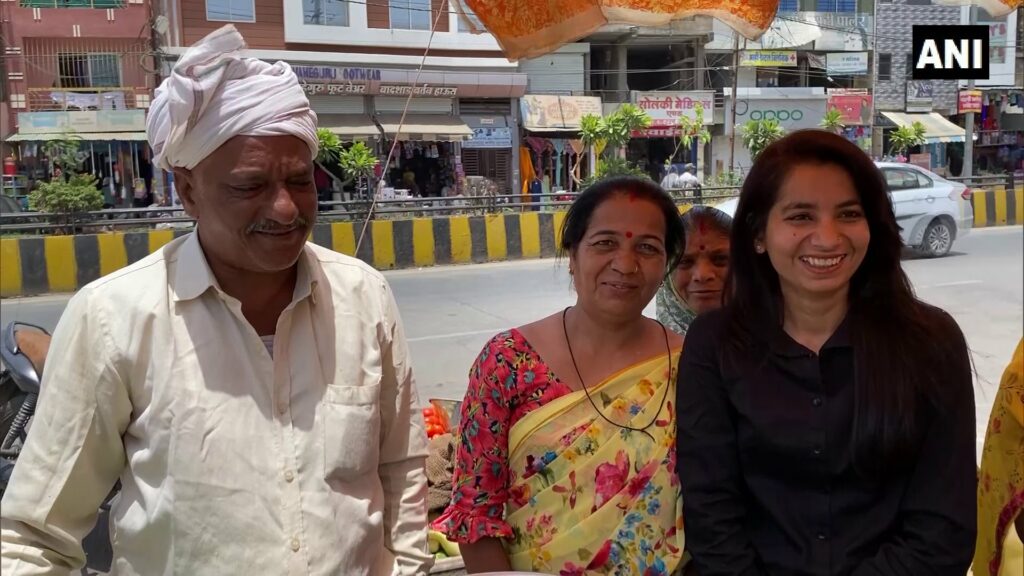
x,y
695,285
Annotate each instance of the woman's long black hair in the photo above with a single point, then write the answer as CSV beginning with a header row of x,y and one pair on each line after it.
x,y
902,347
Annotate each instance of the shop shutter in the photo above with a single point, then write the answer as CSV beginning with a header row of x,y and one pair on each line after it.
x,y
496,107
492,164
325,104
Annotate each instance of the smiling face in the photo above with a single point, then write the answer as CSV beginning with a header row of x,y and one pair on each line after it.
x,y
620,261
254,201
816,235
700,276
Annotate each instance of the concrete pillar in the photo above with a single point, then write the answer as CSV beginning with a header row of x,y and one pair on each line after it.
x,y
701,59
621,60
514,128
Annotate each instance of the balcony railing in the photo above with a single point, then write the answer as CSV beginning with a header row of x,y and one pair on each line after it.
x,y
72,3
62,99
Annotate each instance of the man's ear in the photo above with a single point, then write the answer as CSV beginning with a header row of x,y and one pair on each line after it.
x,y
185,186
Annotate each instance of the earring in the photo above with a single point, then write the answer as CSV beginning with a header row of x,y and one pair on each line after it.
x,y
759,248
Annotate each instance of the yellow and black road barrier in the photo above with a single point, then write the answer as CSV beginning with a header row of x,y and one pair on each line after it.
x,y
46,264
49,264
998,206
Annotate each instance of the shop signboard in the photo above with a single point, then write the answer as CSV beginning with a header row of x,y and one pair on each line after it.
x,y
490,138
337,80
791,113
768,58
666,108
855,108
920,95
82,121
554,113
969,101
846,63
997,41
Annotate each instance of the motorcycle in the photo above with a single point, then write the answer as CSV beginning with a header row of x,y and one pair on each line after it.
x,y
23,350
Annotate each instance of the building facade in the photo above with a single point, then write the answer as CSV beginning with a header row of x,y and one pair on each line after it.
x,y
999,118
359,63
83,68
816,55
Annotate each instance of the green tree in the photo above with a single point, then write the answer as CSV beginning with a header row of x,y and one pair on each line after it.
x,y
906,137
64,199
614,132
358,161
833,121
617,128
590,135
691,129
63,151
330,146
759,134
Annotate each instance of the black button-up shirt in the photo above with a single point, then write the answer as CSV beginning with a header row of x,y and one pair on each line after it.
x,y
769,486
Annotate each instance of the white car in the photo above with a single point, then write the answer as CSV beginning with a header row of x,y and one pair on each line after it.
x,y
932,212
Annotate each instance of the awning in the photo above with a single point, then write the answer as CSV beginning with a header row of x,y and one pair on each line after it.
x,y
86,136
936,127
425,128
348,126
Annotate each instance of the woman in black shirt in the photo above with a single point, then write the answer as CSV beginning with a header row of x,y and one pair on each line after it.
x,y
826,415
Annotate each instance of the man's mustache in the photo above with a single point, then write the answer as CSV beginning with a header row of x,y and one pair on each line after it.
x,y
271,226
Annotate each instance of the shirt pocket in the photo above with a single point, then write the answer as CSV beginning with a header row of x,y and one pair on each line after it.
x,y
351,431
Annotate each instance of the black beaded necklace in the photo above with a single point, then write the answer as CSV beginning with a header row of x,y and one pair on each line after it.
x,y
668,348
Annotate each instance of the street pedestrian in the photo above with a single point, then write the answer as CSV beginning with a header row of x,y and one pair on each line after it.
x,y
671,179
565,462
251,391
695,285
826,415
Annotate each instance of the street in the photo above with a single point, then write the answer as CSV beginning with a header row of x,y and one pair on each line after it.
x,y
450,312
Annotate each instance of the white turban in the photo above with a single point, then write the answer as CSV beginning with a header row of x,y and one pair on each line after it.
x,y
214,94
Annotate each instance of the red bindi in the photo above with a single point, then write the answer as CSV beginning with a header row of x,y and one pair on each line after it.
x,y
629,234
632,196
701,248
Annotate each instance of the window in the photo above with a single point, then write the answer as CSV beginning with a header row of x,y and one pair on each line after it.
x,y
789,5
410,14
473,18
89,70
231,10
918,2
325,12
885,67
72,3
905,179
836,5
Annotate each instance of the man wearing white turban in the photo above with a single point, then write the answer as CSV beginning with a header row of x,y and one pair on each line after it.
x,y
251,391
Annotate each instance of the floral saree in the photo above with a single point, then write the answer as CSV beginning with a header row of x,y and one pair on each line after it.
x,y
1001,483
591,497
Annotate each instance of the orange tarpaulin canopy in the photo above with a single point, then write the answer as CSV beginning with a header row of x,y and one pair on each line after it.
x,y
530,28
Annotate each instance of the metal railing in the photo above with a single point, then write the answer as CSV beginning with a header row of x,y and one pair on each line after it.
x,y
987,180
332,211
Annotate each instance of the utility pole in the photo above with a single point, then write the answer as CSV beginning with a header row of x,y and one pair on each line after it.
x,y
968,168
735,81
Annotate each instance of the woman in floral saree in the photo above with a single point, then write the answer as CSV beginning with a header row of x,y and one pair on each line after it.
x,y
566,462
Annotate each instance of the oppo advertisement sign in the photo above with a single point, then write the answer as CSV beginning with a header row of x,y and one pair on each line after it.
x,y
791,113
